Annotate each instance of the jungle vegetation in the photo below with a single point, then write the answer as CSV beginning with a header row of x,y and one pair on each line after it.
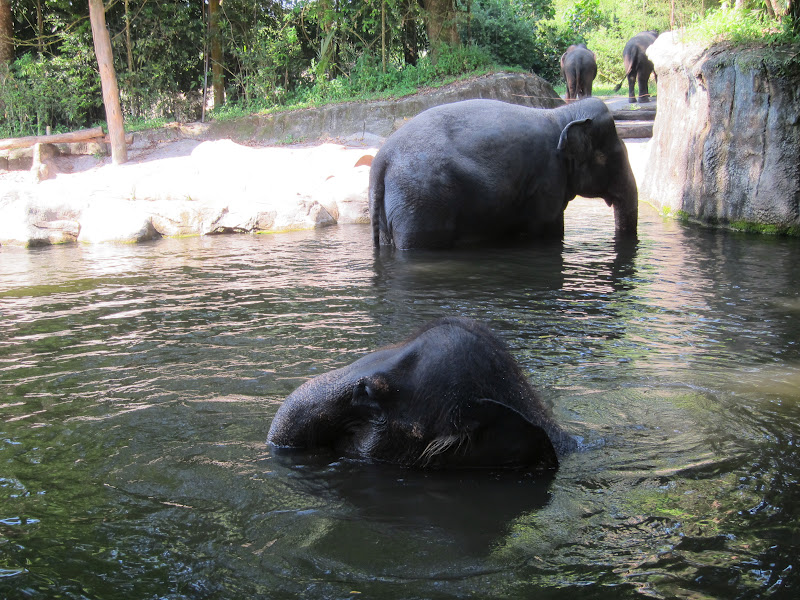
x,y
262,55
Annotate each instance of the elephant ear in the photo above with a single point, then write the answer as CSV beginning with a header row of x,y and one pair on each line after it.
x,y
576,140
500,436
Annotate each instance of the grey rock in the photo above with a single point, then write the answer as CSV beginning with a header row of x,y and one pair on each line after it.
x,y
726,138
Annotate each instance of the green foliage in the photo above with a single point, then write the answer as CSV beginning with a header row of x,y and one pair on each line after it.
x,y
586,16
167,41
518,33
278,53
62,90
740,27
267,59
368,80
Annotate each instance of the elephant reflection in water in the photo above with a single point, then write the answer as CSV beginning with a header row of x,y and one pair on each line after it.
x,y
473,509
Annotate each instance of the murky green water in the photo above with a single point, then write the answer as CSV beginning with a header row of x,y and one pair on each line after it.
x,y
137,385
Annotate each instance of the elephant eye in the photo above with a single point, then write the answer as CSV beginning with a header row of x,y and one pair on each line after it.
x,y
600,158
371,390
362,393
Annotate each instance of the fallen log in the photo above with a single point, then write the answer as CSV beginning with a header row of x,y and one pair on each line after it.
x,y
82,135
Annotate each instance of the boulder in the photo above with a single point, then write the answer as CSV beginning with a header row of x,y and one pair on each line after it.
x,y
377,118
726,137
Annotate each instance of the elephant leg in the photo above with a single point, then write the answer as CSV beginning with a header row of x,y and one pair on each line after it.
x,y
644,92
587,88
417,223
632,88
429,239
572,89
553,230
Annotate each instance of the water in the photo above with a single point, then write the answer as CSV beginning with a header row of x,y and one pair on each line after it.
x,y
138,382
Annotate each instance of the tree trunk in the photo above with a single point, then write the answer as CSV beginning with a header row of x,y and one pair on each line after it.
x,y
217,77
440,23
6,34
39,27
410,39
128,48
108,81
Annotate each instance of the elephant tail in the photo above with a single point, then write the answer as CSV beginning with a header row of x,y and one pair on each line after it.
x,y
629,67
377,208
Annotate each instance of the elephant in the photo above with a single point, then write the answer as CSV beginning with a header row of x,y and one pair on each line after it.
x,y
578,68
449,397
637,65
480,170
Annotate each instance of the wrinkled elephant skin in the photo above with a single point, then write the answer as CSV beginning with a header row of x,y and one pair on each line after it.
x,y
449,397
482,170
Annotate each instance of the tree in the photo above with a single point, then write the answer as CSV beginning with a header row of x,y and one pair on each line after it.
x,y
440,23
108,81
6,34
217,81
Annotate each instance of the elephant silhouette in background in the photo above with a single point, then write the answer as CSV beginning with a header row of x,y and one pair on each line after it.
x,y
637,66
578,68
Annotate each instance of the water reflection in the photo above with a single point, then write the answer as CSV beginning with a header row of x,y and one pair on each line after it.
x,y
137,385
472,508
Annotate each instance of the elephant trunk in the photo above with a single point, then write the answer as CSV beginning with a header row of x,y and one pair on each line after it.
x,y
625,200
312,415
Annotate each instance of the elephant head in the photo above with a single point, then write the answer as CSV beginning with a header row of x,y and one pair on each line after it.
x,y
597,162
450,396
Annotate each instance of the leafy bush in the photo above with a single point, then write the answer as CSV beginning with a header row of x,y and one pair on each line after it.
x,y
607,43
367,79
739,27
62,91
518,33
268,58
586,16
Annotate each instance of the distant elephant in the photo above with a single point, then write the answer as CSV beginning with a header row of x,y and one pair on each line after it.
x,y
637,65
488,170
578,68
451,396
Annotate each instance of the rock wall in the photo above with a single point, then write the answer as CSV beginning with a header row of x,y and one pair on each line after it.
x,y
726,138
379,118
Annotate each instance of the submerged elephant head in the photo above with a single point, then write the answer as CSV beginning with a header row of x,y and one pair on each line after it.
x,y
451,396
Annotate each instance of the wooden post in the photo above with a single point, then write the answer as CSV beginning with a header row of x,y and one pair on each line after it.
x,y
108,81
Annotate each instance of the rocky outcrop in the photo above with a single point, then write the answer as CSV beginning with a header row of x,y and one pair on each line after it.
x,y
191,188
726,138
378,118
202,179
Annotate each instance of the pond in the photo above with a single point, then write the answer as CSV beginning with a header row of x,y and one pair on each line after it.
x,y
138,383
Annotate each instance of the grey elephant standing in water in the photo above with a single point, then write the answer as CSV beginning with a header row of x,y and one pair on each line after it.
x,y
488,170
637,66
578,68
450,396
